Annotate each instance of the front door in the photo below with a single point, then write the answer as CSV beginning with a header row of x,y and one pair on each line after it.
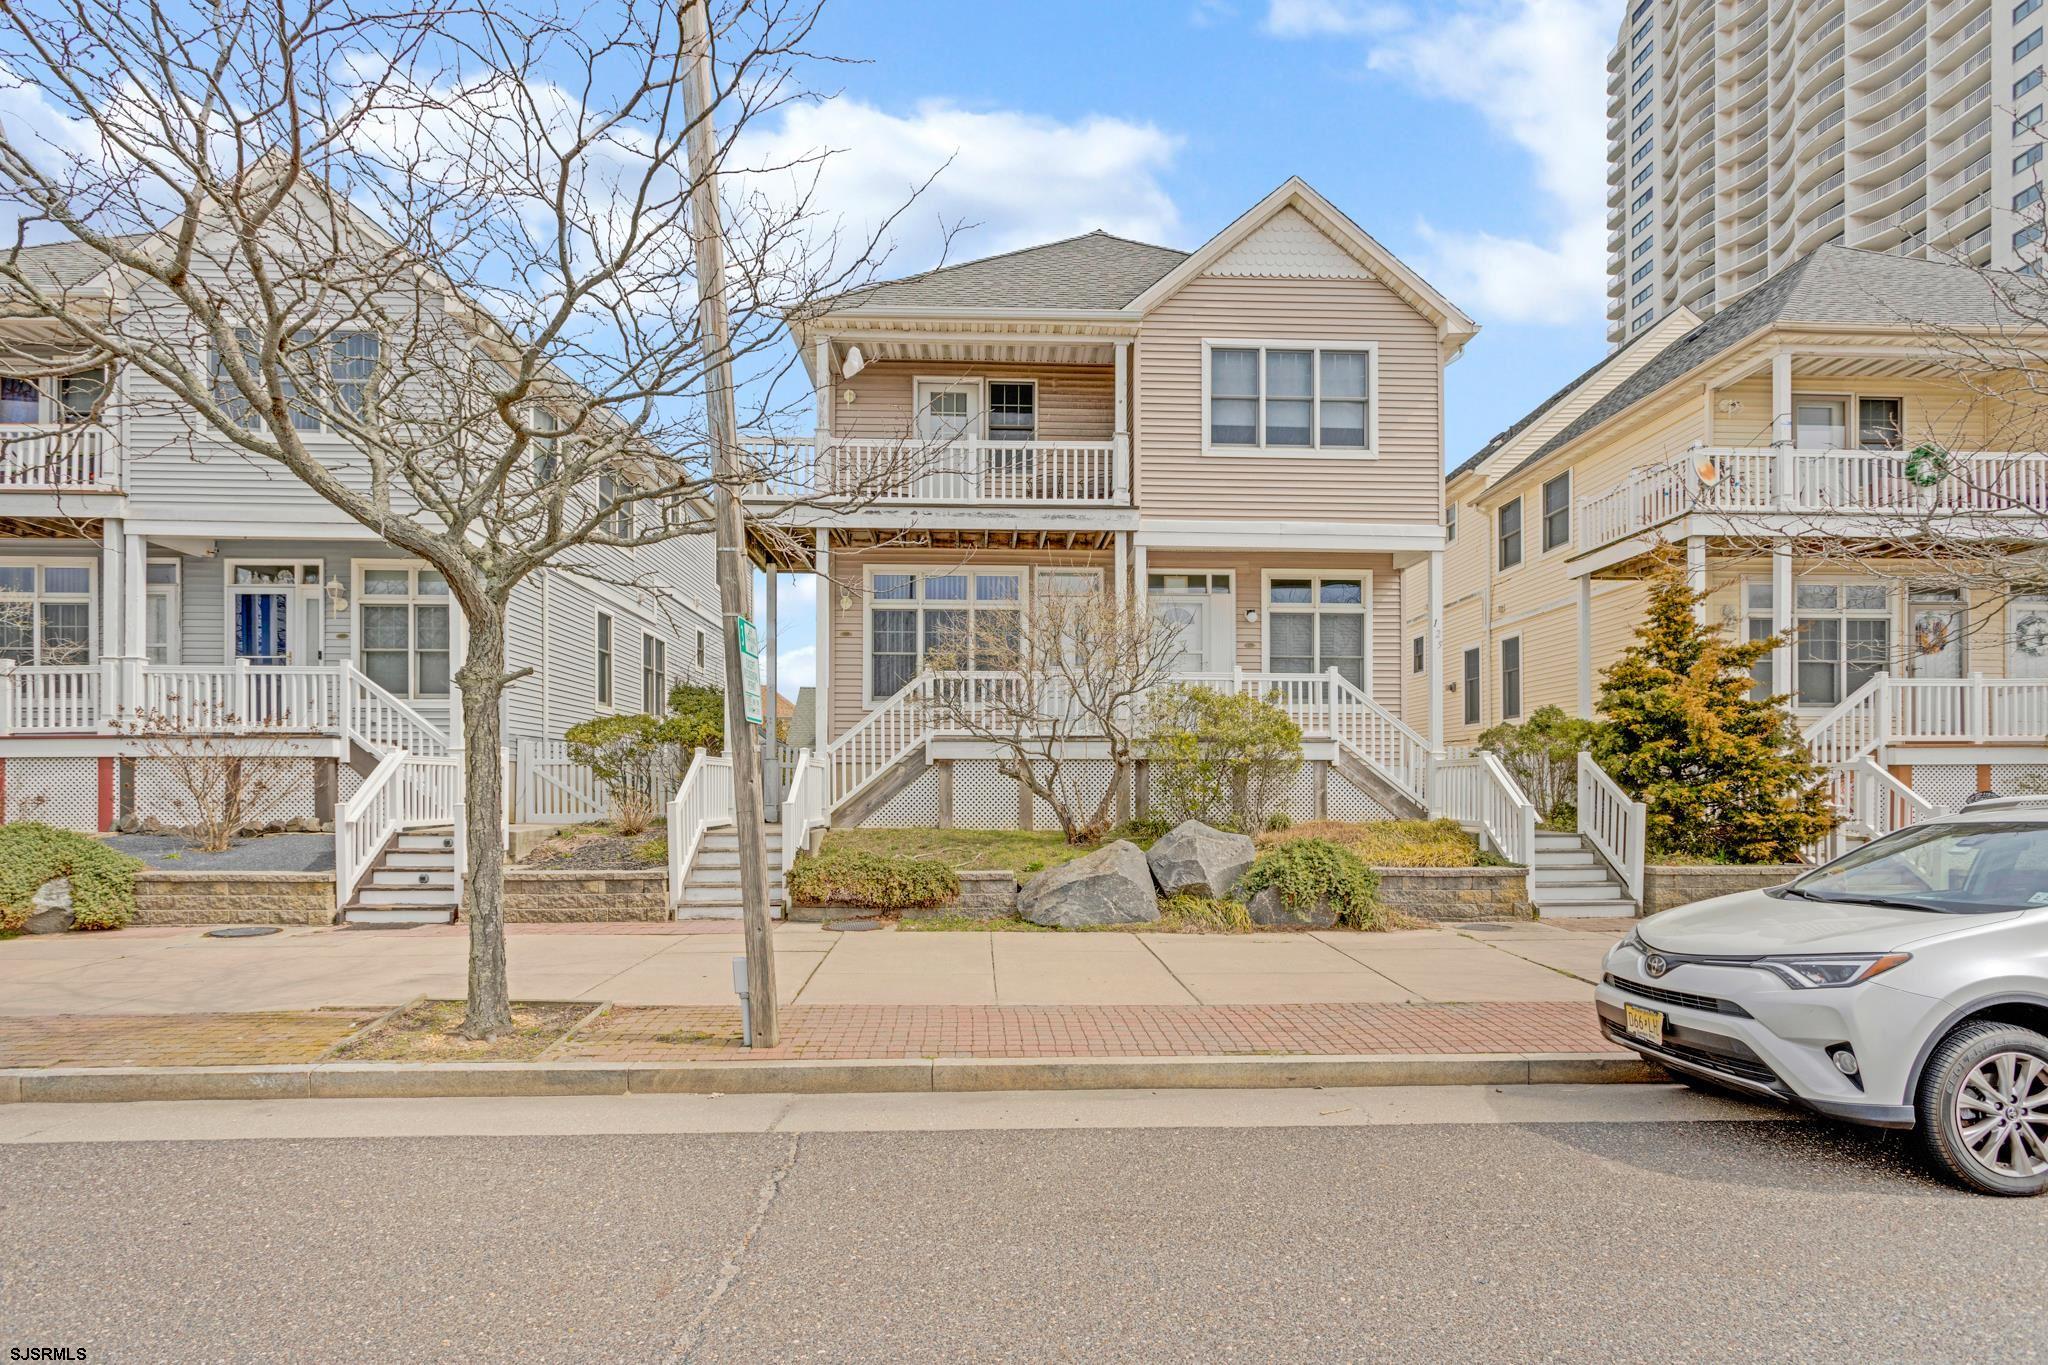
x,y
1819,423
274,613
1196,609
1934,642
947,414
2026,637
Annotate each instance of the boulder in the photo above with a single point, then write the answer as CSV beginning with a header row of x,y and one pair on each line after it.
x,y
1112,885
1196,860
50,911
1268,911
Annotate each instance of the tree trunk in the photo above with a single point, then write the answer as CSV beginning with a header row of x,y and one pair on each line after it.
x,y
481,680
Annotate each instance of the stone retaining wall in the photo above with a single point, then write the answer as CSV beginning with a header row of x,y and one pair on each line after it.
x,y
576,897
163,897
983,895
1457,893
1665,886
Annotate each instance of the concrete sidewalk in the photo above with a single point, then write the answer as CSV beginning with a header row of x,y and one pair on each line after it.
x,y
181,971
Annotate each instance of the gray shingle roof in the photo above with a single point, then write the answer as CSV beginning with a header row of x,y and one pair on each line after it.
x,y
65,265
1093,271
1836,286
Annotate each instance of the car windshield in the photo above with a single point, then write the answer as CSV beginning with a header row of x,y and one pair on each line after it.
x,y
1952,867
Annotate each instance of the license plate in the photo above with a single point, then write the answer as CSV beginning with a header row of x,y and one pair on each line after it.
x,y
1647,1025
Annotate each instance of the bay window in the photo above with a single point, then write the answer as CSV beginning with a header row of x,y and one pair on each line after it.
x,y
1277,396
913,616
1316,623
46,612
404,625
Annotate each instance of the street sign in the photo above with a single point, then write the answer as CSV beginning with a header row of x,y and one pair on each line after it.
x,y
750,668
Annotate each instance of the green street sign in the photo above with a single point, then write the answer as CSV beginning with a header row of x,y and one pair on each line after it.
x,y
750,668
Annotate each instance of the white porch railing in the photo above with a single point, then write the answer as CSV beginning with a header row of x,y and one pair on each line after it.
x,y
1476,791
705,799
1973,710
969,470
1872,804
1614,823
805,808
551,788
375,719
404,791
58,459
1994,485
50,698
242,698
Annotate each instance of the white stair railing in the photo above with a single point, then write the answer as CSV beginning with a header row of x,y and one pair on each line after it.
x,y
1614,823
1379,737
377,720
404,791
1852,729
705,799
1476,791
1885,804
803,810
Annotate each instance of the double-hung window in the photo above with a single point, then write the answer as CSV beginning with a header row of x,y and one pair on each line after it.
x,y
1450,523
403,624
1418,656
350,359
1013,410
1557,511
614,500
1510,534
1316,623
1845,633
965,616
1469,679
604,659
1291,397
46,612
1511,677
653,675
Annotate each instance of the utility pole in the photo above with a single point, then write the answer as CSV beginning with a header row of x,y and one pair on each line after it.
x,y
733,567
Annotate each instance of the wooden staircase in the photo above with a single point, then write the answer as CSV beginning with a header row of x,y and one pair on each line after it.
x,y
711,889
412,882
1571,879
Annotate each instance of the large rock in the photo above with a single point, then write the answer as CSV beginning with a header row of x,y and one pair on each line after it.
x,y
1197,860
1269,911
1112,885
50,911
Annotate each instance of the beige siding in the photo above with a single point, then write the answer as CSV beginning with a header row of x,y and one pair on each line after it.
x,y
1075,402
1176,479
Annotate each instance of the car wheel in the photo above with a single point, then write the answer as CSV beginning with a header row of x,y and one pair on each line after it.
x,y
1983,1108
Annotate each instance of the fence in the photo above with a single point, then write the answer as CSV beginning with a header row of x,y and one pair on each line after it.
x,y
551,788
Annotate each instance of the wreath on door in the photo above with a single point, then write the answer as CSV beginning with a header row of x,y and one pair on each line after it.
x,y
1933,632
2030,636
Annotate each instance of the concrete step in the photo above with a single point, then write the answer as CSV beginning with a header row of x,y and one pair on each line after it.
x,y
406,895
1553,840
441,859
391,914
1561,858
728,857
1607,893
412,876
1553,876
725,876
1587,909
725,841
722,896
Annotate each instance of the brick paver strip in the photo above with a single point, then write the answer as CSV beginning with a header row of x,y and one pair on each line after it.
x,y
270,1038
832,1032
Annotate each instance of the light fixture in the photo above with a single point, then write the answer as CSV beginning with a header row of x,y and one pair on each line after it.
x,y
337,594
854,363
1251,616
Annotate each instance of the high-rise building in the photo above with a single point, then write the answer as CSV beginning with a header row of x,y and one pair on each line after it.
x,y
1742,134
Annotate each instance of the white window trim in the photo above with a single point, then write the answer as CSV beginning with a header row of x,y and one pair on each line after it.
x,y
49,411
36,597
1571,523
174,593
1477,677
1266,577
1500,681
1852,414
660,672
322,434
1037,407
1895,612
1314,450
298,592
604,663
458,632
1520,503
1027,578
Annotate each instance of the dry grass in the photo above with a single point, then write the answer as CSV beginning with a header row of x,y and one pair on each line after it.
x,y
1022,851
1390,843
427,1033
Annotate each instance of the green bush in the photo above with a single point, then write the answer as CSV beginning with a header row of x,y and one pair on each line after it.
x,y
1306,872
102,880
1542,754
871,880
632,756
696,718
1202,915
1227,758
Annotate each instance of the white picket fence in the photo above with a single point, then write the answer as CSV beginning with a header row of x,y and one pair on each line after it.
x,y
551,788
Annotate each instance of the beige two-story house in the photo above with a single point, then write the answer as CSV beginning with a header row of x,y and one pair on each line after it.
x,y
1248,436
1828,459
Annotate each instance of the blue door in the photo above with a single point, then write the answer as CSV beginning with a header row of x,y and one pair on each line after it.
x,y
262,622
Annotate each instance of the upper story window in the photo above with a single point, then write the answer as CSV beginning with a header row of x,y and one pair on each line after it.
x,y
67,398
613,496
2027,160
653,674
1279,396
1557,511
1510,534
1013,410
1642,80
2026,45
1450,523
604,659
351,365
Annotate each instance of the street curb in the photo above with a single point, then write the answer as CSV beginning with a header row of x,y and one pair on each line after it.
x,y
414,1080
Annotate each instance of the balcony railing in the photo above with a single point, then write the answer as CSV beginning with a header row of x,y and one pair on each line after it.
x,y
1992,485
965,472
57,459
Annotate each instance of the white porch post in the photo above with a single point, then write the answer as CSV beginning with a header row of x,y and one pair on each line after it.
x,y
1436,649
1586,647
1120,580
113,595
134,620
1696,573
821,695
1781,616
1782,428
1120,456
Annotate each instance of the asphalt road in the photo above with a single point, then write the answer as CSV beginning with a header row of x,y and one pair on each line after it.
x,y
1752,1237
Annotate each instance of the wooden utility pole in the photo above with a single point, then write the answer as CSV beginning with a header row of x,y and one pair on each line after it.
x,y
733,566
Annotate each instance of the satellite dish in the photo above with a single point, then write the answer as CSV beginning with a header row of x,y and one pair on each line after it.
x,y
855,362
1708,473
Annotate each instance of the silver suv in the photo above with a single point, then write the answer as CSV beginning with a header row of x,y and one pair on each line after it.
x,y
1904,984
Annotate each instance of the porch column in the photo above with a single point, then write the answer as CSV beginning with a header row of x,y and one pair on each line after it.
x,y
1782,429
822,395
1120,578
113,596
1696,573
1120,456
1781,616
821,655
1586,647
771,746
1436,649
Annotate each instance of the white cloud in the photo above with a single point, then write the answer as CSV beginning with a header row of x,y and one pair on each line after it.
x,y
796,668
1305,18
1536,71
1022,178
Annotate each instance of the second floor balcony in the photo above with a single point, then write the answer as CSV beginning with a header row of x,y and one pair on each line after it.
x,y
1796,491
938,472
51,458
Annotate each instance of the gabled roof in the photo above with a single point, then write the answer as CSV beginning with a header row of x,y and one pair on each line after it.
x,y
1834,286
1094,272
68,264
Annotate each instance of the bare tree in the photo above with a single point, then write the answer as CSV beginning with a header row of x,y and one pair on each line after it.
x,y
458,238
1060,682
216,783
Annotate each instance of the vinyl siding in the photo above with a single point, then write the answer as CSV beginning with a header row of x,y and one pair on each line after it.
x,y
1075,402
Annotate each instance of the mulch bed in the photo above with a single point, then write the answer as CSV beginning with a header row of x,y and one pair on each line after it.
x,y
598,852
426,1032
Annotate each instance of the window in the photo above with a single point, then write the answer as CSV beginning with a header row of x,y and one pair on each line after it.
x,y
1643,103
1314,624
1013,410
1757,603
1642,296
1419,647
1642,32
700,649
1639,153
1642,224
2026,45
915,615
547,446
2027,160
1844,632
653,675
351,363
1511,677
2026,82
1642,56
403,630
2027,236
1557,511
1644,174
1636,251
1450,523
1640,10
1471,685
1642,272
1644,319
21,401
2027,121
1645,197
161,611
68,398
1642,80
1273,396
2027,198
1878,423
1510,534
46,611
2024,8
1640,129
604,659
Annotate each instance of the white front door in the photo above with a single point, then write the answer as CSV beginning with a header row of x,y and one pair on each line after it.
x,y
1187,618
274,612
947,411
1196,607
1819,423
1934,636
2026,637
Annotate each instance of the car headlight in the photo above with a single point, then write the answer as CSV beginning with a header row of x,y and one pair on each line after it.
x,y
1831,969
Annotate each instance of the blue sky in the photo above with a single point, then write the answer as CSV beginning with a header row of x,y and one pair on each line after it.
x,y
1468,136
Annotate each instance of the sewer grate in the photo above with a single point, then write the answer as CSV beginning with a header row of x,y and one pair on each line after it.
x,y
243,931
855,926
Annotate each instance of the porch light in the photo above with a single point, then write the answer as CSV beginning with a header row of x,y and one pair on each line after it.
x,y
337,594
1251,616
854,363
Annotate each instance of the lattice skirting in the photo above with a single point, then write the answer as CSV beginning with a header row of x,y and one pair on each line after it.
x,y
2019,779
1947,785
1083,783
915,807
276,790
1349,801
60,792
